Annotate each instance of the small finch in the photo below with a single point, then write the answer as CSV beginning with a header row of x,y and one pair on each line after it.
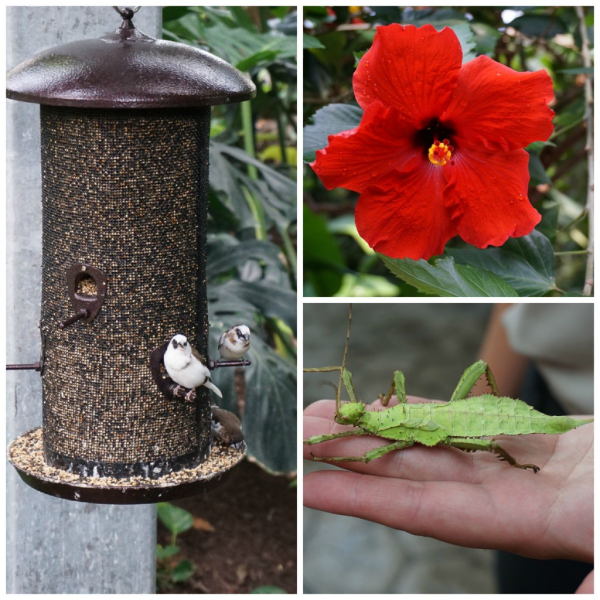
x,y
235,342
186,367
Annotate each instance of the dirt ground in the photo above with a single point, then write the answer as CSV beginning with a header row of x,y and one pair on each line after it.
x,y
254,539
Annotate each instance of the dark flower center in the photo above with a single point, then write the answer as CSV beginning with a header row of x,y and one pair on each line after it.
x,y
432,137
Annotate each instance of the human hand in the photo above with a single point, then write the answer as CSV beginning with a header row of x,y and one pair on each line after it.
x,y
468,499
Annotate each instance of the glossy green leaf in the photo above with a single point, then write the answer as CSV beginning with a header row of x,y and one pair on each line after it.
x,y
175,519
327,121
309,41
167,551
183,571
447,279
525,263
534,26
270,379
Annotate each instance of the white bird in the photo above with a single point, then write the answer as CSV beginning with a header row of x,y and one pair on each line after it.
x,y
186,367
235,342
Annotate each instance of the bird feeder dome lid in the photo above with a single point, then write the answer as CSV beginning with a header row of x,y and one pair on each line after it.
x,y
127,69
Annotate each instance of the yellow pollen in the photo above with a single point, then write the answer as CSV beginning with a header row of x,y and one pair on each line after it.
x,y
440,153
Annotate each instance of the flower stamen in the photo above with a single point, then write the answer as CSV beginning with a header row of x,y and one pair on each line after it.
x,y
440,153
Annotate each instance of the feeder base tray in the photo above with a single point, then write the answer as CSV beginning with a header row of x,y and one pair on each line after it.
x,y
27,456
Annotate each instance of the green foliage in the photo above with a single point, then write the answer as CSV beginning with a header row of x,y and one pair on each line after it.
x,y
550,261
175,519
445,278
251,258
168,571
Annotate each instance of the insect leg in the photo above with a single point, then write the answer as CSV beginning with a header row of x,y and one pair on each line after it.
x,y
398,385
317,439
368,456
470,377
472,444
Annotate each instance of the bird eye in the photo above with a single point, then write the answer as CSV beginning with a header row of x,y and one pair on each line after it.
x,y
239,333
185,343
174,343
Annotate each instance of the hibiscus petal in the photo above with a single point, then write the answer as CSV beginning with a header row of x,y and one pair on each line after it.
x,y
487,197
405,216
500,108
357,158
412,69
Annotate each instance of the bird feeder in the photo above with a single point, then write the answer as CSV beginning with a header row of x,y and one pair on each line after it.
x,y
125,122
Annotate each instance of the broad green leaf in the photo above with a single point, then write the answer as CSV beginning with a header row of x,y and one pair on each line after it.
x,y
534,26
447,279
227,254
167,551
263,56
327,121
486,37
269,420
549,223
332,53
268,589
276,191
183,571
175,519
525,263
323,259
309,41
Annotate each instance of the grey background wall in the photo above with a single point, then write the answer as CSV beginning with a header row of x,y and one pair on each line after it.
x,y
55,546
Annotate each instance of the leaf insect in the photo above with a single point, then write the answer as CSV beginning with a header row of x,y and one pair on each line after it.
x,y
465,422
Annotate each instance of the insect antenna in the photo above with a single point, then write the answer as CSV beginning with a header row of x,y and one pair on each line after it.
x,y
338,401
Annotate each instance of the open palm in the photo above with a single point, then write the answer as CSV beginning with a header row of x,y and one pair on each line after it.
x,y
468,499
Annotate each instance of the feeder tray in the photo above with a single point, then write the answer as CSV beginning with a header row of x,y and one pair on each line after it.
x,y
125,128
26,454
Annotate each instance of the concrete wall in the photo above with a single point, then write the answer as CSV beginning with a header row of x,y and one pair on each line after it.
x,y
55,546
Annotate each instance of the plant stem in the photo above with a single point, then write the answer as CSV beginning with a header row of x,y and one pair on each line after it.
x,y
566,128
571,252
589,146
573,222
290,253
249,136
281,135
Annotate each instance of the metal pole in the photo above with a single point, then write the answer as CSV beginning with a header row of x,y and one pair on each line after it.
x,y
55,546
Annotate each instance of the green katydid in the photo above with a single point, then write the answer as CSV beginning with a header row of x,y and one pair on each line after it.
x,y
463,423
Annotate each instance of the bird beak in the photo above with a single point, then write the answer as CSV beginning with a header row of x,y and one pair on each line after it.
x,y
247,337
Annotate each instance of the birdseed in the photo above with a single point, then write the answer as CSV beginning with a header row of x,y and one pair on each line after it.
x,y
126,192
26,453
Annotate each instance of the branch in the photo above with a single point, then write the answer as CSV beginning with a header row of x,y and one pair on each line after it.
x,y
589,146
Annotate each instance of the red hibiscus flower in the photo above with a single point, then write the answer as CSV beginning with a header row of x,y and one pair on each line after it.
x,y
439,150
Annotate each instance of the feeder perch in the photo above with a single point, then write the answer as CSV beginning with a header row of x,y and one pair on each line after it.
x,y
125,122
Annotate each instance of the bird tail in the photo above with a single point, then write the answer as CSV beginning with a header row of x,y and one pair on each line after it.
x,y
211,386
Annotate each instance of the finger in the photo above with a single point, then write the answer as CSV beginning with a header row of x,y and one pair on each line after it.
x,y
458,513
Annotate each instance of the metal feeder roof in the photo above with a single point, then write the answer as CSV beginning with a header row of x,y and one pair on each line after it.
x,y
127,69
